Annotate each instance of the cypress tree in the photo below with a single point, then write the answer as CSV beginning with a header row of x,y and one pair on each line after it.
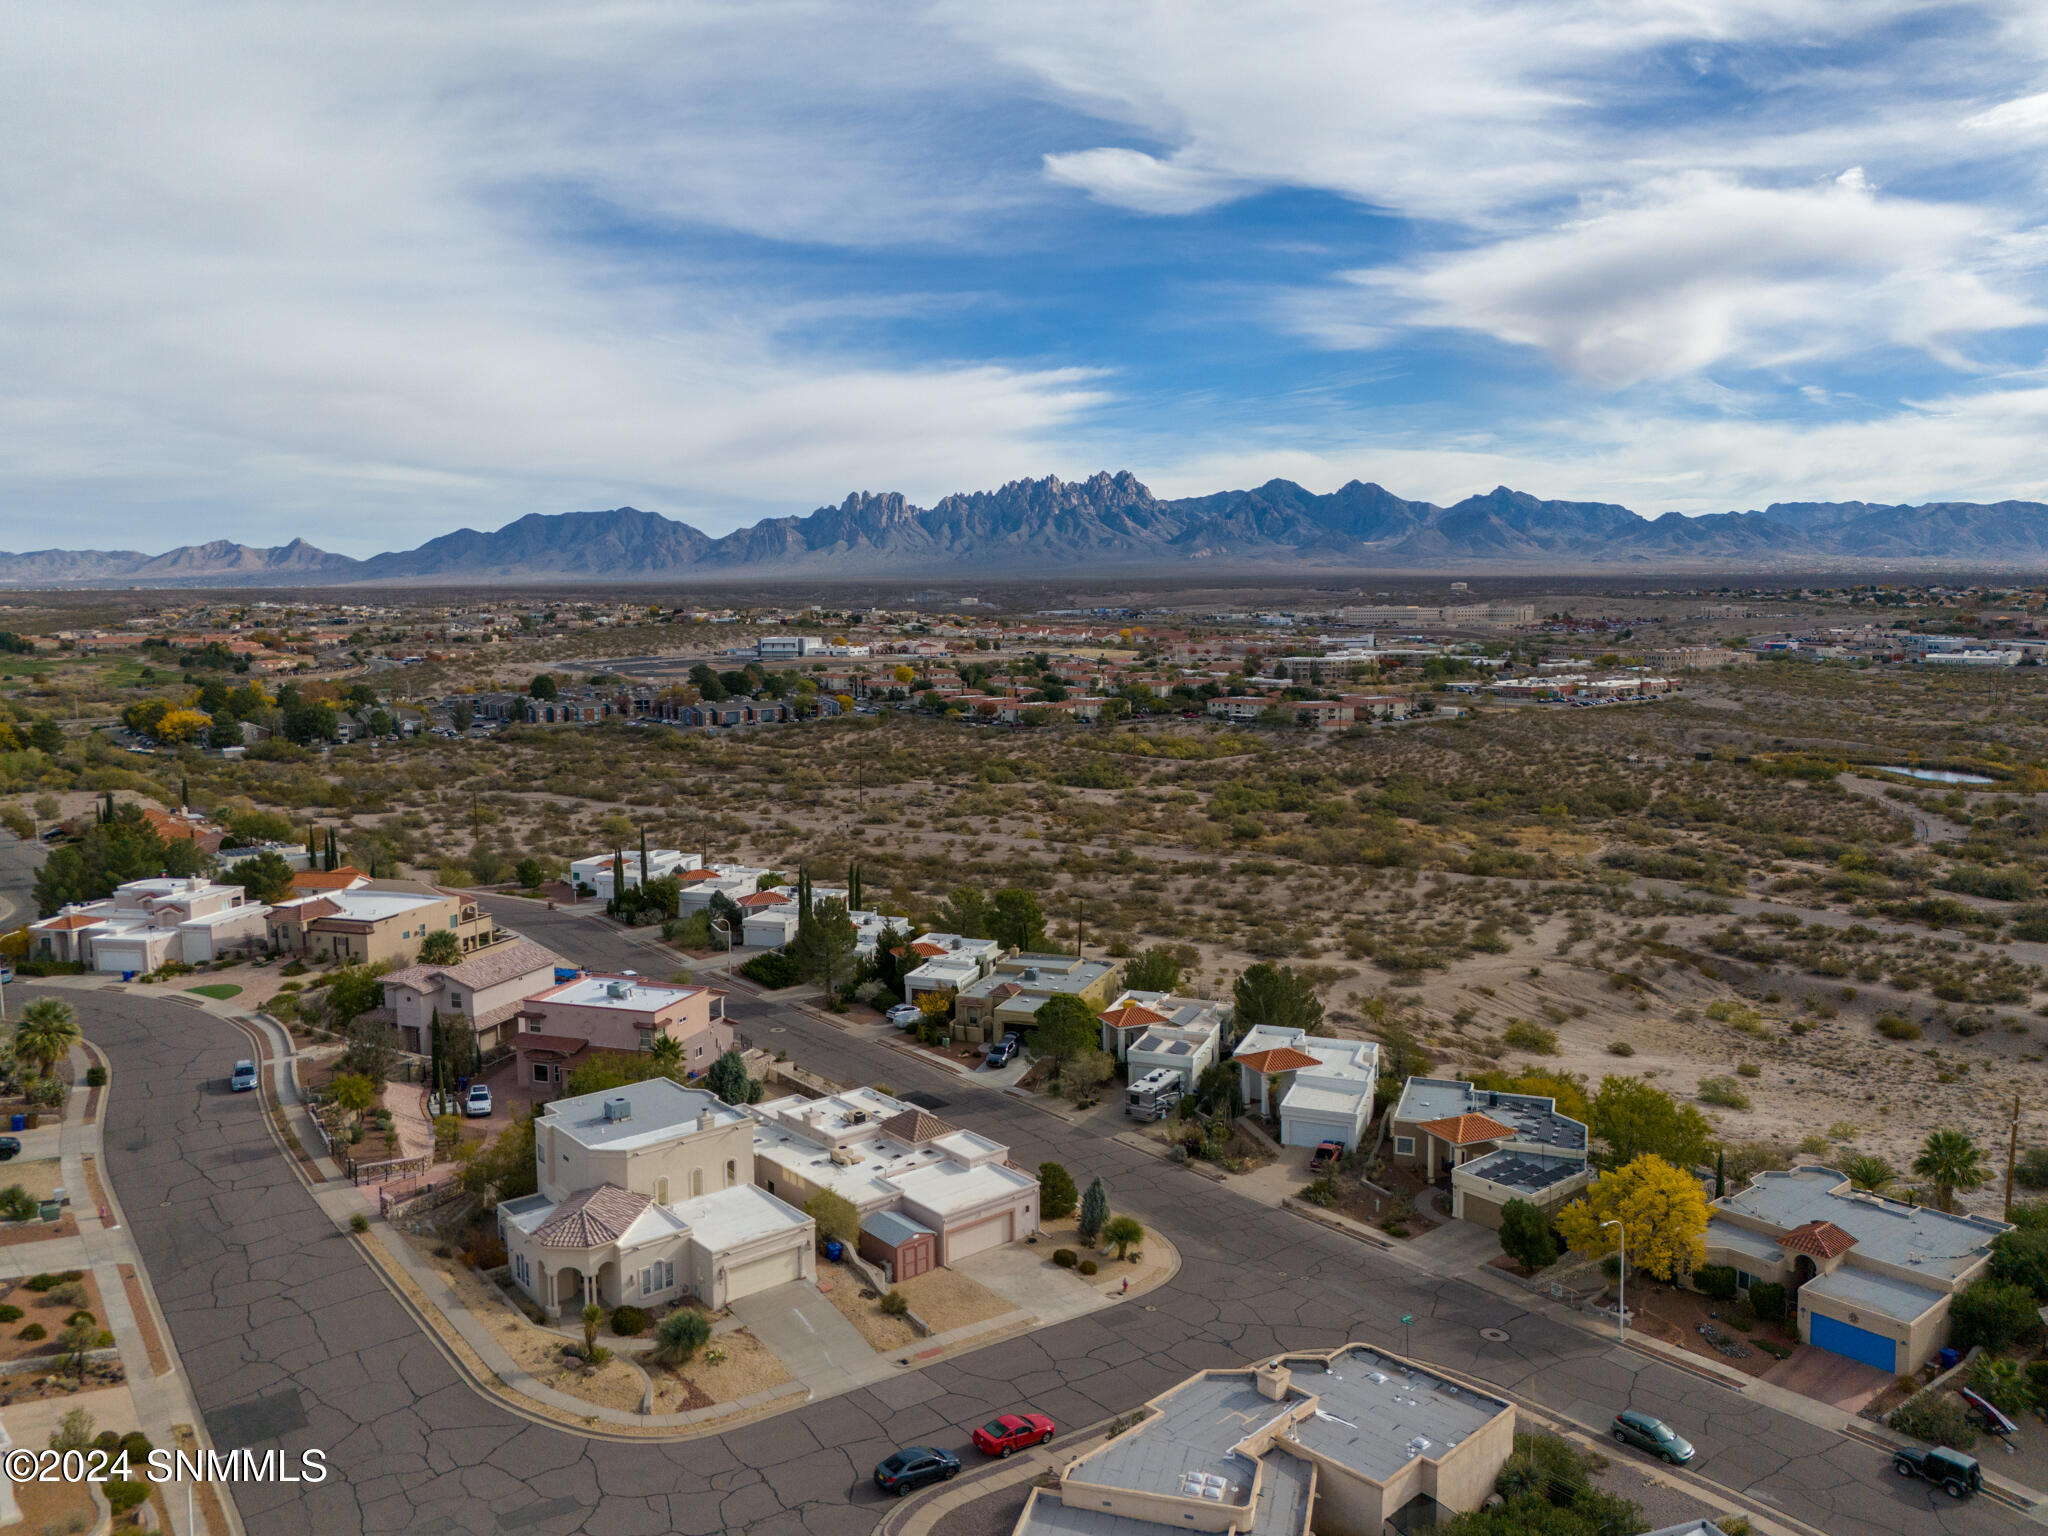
x,y
643,856
438,1071
1094,1211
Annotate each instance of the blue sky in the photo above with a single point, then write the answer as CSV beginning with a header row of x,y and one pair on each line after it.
x,y
368,274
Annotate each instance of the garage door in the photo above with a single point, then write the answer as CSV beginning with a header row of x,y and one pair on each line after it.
x,y
1857,1343
980,1237
759,1274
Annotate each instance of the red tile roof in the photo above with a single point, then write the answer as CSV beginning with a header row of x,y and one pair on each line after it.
x,y
1282,1058
916,1127
1137,1016
1820,1239
1464,1130
766,899
69,921
326,879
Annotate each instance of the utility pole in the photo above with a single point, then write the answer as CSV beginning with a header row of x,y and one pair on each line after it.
x,y
1080,928
2012,1153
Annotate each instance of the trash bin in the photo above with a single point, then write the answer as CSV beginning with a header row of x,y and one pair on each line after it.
x,y
835,1250
20,1123
127,975
1950,1358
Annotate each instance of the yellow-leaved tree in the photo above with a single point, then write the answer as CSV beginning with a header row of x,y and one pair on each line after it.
x,y
1662,1209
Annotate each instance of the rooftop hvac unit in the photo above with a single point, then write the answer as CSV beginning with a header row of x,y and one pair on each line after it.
x,y
615,989
857,1117
618,1109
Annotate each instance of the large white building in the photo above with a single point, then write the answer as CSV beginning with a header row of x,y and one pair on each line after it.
x,y
647,1193
598,870
147,923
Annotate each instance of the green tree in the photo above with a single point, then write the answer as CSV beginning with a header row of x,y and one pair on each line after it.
x,y
47,1032
1153,970
824,947
1016,920
1123,1233
1094,1211
506,1167
542,687
1525,1236
355,990
2002,1382
1950,1161
121,847
679,1336
593,1319
727,1077
440,947
966,913
1276,997
461,715
1056,1192
1994,1313
2021,1257
666,1052
1063,1027
1633,1118
1868,1171
835,1216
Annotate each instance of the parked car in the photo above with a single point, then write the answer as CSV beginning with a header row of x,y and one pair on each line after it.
x,y
1002,1053
914,1467
10,1147
1328,1154
1012,1432
245,1077
903,1015
1652,1435
477,1103
1957,1475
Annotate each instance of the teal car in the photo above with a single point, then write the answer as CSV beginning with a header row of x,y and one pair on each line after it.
x,y
1652,1435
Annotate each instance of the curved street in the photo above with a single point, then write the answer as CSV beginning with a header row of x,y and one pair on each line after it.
x,y
292,1341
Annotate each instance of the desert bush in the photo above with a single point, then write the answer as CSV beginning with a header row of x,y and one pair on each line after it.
x,y
33,1332
1722,1093
1089,1266
628,1322
1715,1280
1066,1258
1767,1297
895,1304
1892,1027
1621,1048
1523,1035
1937,1418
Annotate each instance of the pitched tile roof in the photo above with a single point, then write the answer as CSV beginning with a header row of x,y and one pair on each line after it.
x,y
590,1218
564,1046
70,920
915,1127
326,879
929,951
307,911
485,968
1821,1239
1133,1016
766,899
1282,1058
1464,1130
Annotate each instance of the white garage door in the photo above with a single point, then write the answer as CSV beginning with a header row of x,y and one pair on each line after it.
x,y
759,1274
983,1235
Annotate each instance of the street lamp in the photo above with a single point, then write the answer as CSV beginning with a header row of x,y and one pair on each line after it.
x,y
1621,1284
723,928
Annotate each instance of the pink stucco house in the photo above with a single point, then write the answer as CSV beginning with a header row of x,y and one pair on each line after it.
x,y
597,1012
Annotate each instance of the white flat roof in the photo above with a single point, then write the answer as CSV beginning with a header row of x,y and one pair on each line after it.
x,y
660,1110
732,1217
638,996
375,906
225,915
949,1188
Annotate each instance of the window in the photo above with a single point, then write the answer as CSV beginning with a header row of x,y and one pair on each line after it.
x,y
696,1182
540,1072
646,1282
732,1172
454,999
1743,1280
668,1275
661,1191
1404,1146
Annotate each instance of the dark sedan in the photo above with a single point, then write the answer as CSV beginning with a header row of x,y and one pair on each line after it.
x,y
914,1467
1652,1435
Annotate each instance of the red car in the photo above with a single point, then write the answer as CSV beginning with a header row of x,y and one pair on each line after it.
x,y
1012,1432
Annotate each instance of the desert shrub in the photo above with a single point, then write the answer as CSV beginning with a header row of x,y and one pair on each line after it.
x,y
1722,1093
628,1322
1994,1313
9,1313
1066,1258
1322,1192
1089,1266
33,1332
1523,1035
772,970
1621,1048
1751,1069
2032,1172
80,1316
69,1294
1892,1027
124,1494
1937,1418
1715,1280
17,1204
895,1304
95,1076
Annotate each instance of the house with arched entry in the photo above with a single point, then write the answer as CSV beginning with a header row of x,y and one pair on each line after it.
x,y
646,1196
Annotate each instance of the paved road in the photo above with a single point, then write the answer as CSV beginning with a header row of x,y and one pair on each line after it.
x,y
291,1340
19,862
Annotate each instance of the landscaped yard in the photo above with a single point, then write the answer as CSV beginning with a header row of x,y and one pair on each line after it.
x,y
219,991
1675,1316
944,1298
733,1365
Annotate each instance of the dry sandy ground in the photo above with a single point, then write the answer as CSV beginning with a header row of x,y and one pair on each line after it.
x,y
748,1367
1158,1257
944,1298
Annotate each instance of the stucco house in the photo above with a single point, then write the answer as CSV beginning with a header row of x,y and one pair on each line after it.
x,y
1353,1442
596,871
380,920
1872,1278
646,1195
1318,1087
1490,1147
486,989
598,1012
1016,987
147,923
883,1154
946,962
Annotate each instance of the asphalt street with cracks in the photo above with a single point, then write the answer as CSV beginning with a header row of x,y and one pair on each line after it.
x,y
292,1340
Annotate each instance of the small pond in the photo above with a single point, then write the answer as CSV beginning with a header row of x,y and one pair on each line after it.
x,y
1942,776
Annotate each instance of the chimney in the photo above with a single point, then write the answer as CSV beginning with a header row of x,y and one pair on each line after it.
x,y
1273,1379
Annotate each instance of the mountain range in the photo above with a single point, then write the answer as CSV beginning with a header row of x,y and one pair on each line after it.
x,y
1111,522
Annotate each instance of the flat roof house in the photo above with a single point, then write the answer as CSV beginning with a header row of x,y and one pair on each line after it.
x,y
646,1195
946,962
1321,1089
597,1012
486,989
1156,1029
1017,986
147,923
883,1154
1873,1277
596,871
382,920
1350,1443
700,884
1490,1147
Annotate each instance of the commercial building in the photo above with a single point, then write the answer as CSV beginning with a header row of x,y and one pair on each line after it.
x,y
1354,1442
883,1154
647,1195
1489,1147
1873,1278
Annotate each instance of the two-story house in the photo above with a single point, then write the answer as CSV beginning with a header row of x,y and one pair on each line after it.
x,y
946,962
646,1195
146,923
1491,1147
486,990
559,1025
381,920
1319,1088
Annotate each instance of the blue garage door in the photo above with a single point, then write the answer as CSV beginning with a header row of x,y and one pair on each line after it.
x,y
1857,1343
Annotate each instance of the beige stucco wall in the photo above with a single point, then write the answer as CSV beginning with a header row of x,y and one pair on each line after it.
x,y
569,1166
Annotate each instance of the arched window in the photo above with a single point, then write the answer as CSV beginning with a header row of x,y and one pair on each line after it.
x,y
732,1172
661,1191
696,1182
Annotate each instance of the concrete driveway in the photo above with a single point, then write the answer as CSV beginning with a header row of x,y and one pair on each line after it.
x,y
1827,1377
811,1337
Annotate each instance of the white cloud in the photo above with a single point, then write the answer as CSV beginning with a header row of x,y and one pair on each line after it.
x,y
2023,116
1133,179
1702,270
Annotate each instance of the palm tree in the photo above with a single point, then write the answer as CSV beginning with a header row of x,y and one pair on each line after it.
x,y
667,1052
1950,1161
47,1031
1868,1171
